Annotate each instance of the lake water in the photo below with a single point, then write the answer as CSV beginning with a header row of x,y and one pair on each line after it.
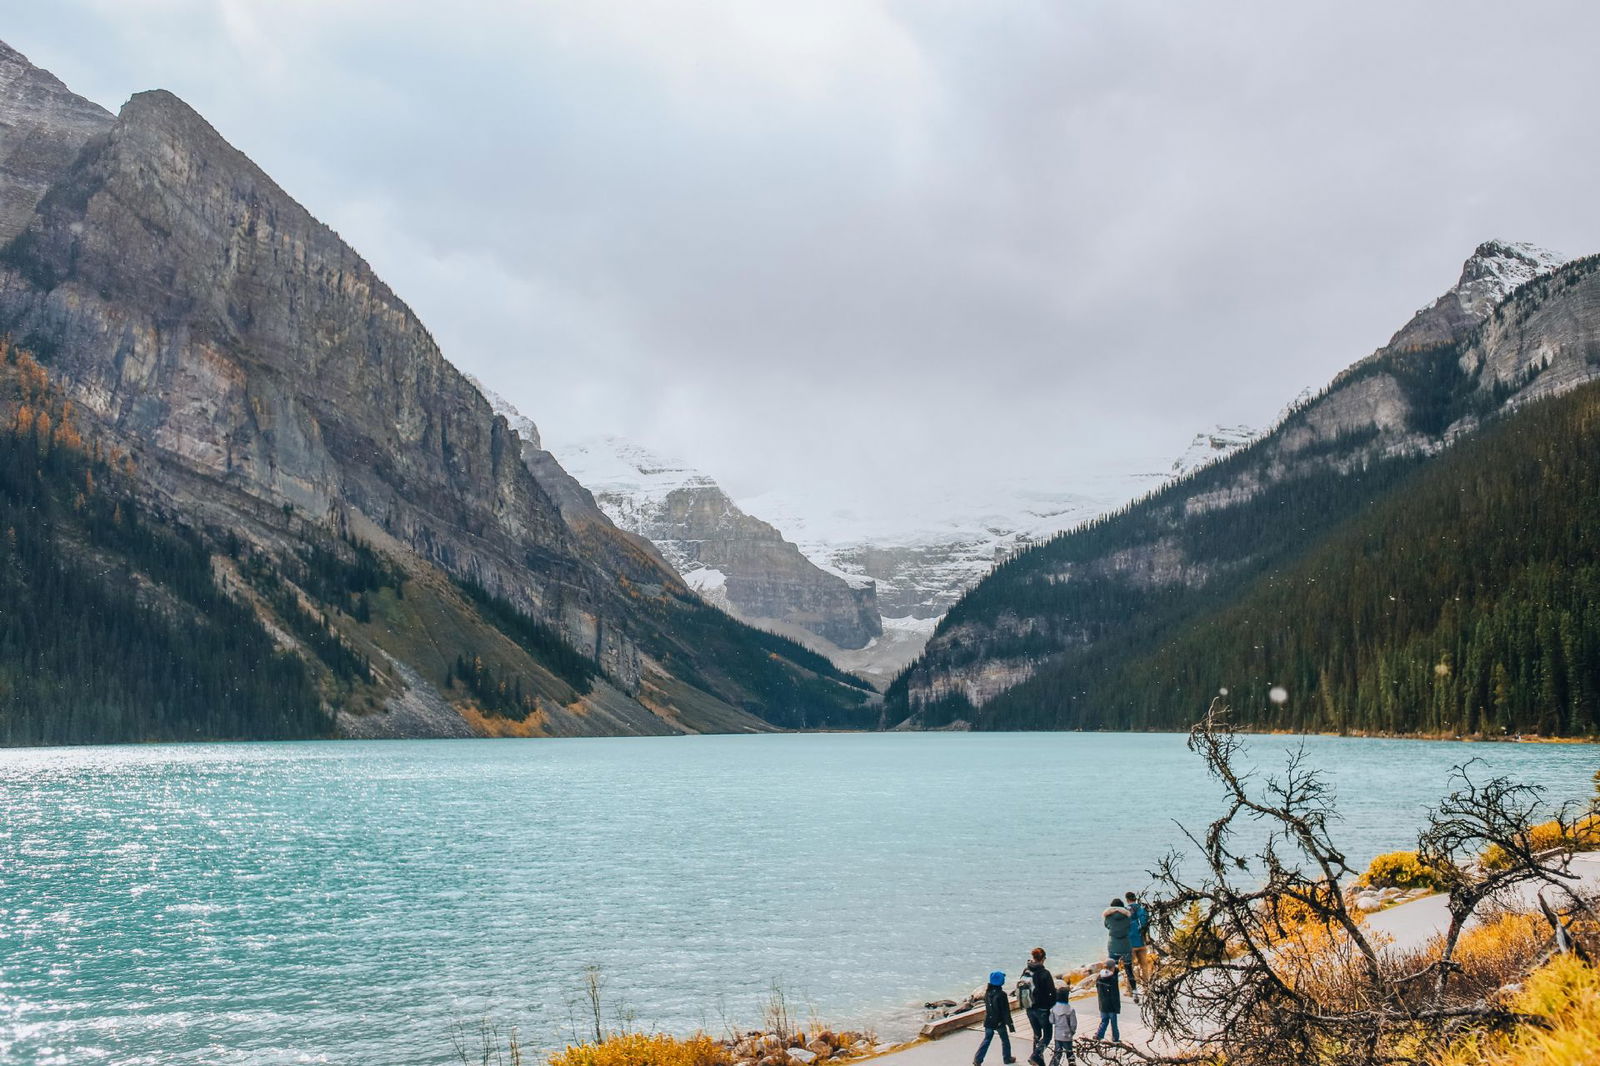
x,y
350,902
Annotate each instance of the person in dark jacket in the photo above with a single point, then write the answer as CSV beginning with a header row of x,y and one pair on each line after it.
x,y
996,1019
1119,928
1044,997
1110,997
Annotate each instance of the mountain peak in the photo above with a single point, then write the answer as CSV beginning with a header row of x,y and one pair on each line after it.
x,y
43,126
524,426
1496,268
1491,273
1216,443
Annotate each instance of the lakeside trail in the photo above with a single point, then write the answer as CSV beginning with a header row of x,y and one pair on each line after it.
x,y
1408,925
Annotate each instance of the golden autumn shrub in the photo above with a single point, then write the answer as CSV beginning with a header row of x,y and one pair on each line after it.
x,y
1399,869
639,1049
1195,940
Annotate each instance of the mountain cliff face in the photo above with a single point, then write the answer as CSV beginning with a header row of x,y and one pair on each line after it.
x,y
267,383
1517,326
732,558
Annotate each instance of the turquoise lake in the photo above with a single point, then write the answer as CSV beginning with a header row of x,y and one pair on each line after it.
x,y
351,902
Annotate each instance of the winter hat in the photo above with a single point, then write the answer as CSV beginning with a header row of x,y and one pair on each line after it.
x,y
998,977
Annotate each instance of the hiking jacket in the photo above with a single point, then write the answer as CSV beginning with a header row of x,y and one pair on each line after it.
x,y
1064,1018
1141,922
1044,986
1118,923
1107,992
997,1008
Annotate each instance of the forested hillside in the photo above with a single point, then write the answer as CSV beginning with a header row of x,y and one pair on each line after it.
x,y
1466,601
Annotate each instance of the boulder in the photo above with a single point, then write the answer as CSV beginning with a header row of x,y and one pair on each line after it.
x,y
802,1056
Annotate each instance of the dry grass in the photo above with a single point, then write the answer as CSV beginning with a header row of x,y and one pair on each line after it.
x,y
639,1049
1564,997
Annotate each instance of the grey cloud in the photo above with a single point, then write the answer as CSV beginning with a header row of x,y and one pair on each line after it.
x,y
854,245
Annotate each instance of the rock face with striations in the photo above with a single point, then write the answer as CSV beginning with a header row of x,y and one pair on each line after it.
x,y
265,378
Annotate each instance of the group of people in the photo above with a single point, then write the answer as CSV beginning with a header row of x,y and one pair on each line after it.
x,y
1050,1012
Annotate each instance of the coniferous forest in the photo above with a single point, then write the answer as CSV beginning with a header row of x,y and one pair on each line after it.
x,y
112,625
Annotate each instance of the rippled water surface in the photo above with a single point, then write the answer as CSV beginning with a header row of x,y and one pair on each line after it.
x,y
350,902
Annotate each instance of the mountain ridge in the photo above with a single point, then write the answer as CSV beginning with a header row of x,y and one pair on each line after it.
x,y
268,384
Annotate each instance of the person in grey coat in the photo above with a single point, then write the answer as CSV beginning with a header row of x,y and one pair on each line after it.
x,y
1064,1021
1119,924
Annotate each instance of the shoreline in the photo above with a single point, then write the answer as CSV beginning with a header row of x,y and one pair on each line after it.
x,y
1243,731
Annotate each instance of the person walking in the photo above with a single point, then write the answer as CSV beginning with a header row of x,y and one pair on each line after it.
x,y
1119,923
1139,936
1043,998
1110,1000
996,1019
1064,1020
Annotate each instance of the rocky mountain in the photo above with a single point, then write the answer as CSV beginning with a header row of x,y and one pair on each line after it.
x,y
272,397
43,125
733,560
1517,326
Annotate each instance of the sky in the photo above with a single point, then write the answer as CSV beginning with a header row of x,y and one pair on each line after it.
x,y
876,253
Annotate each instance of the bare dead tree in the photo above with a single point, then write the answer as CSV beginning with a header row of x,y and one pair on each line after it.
x,y
1496,817
1268,961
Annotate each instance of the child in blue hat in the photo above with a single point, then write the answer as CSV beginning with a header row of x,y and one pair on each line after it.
x,y
996,1019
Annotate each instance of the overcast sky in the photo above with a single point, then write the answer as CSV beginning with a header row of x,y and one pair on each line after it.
x,y
863,247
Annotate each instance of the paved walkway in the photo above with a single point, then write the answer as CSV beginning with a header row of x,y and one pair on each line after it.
x,y
1409,925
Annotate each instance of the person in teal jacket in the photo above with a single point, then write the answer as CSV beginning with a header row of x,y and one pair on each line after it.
x,y
1139,936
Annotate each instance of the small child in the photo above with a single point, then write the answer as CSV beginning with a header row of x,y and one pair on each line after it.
x,y
1064,1020
1110,997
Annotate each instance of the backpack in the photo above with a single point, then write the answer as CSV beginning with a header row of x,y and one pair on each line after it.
x,y
1025,993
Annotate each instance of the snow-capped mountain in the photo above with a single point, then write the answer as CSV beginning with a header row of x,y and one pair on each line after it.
x,y
1206,448
923,557
734,560
1497,268
1489,275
